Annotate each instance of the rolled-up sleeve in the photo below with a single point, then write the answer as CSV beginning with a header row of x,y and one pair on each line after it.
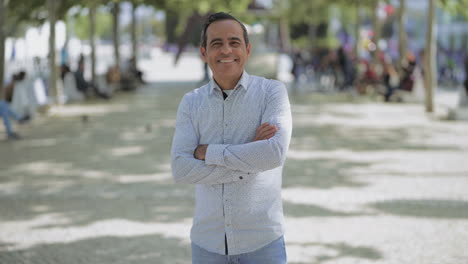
x,y
259,155
185,167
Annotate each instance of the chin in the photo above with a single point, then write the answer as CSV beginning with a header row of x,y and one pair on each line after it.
x,y
228,73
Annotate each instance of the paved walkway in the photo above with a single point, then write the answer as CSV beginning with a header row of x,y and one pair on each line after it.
x,y
364,183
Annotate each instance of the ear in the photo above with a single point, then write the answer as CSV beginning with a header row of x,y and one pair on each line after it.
x,y
203,54
248,49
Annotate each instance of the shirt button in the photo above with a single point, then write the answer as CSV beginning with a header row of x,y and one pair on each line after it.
x,y
241,177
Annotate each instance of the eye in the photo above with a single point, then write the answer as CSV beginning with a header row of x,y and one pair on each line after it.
x,y
235,43
216,44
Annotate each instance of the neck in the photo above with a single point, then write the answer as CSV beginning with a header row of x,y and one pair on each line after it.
x,y
227,84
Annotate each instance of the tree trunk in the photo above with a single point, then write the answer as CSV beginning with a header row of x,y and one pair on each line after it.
x,y
357,30
402,46
312,30
194,21
430,57
52,65
3,13
284,35
377,29
115,33
92,39
464,42
134,35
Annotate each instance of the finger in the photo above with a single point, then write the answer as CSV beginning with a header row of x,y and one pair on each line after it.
x,y
267,131
259,128
270,130
262,126
267,136
266,128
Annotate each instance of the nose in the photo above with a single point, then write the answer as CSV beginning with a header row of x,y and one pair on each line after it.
x,y
226,49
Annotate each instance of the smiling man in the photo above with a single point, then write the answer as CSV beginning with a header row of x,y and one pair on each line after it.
x,y
231,140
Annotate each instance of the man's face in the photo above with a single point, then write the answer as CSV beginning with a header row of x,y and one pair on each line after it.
x,y
225,52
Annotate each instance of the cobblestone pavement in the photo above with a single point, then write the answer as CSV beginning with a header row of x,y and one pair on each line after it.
x,y
364,182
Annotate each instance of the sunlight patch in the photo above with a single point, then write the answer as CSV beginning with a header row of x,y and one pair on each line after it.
x,y
126,151
157,177
41,231
92,110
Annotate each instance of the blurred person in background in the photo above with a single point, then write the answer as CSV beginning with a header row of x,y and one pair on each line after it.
x,y
345,66
85,87
6,112
466,73
10,87
298,68
5,109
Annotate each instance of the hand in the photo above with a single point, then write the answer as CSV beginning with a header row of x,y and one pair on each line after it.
x,y
200,152
265,131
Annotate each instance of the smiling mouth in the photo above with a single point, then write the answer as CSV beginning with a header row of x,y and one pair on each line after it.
x,y
227,61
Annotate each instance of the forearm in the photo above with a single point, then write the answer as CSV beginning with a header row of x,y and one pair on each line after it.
x,y
188,170
251,157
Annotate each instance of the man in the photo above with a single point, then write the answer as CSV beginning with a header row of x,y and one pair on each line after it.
x,y
231,139
6,112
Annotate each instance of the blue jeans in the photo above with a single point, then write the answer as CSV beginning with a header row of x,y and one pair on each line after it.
x,y
273,253
5,113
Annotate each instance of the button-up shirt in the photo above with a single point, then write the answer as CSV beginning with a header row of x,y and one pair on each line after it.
x,y
238,185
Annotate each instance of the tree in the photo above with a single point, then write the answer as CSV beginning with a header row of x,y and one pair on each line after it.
x,y
314,17
22,12
115,10
98,24
13,15
377,29
357,29
191,13
402,45
53,68
307,19
134,36
3,5
55,10
458,7
92,40
430,57
104,26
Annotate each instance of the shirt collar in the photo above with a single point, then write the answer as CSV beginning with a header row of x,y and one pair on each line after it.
x,y
243,83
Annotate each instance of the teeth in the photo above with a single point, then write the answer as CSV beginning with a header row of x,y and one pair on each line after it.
x,y
224,61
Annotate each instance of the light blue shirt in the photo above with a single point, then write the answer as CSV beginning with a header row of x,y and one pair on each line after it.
x,y
238,185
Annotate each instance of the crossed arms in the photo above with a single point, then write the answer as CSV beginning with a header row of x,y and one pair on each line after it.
x,y
263,132
224,163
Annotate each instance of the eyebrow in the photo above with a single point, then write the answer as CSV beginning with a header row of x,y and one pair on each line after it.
x,y
219,39
235,38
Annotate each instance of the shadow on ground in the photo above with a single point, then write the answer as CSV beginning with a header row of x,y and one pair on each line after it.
x,y
117,250
443,209
308,210
338,251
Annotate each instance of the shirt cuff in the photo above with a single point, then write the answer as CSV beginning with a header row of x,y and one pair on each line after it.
x,y
215,154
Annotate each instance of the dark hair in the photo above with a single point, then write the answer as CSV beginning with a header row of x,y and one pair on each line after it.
x,y
217,17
